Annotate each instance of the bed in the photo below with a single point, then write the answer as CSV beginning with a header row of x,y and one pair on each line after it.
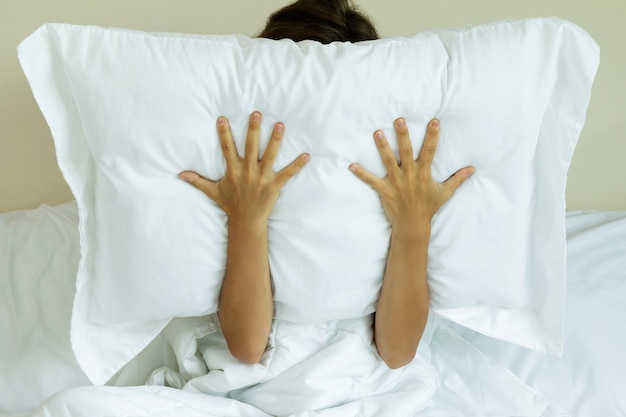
x,y
40,252
109,302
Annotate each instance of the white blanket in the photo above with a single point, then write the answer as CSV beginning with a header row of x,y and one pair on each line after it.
x,y
321,369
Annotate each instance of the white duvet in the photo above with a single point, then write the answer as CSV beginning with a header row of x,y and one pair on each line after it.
x,y
311,369
321,369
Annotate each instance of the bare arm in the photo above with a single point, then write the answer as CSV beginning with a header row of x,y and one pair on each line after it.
x,y
246,307
410,198
247,194
402,309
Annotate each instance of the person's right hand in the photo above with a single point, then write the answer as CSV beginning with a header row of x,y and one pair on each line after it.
x,y
250,187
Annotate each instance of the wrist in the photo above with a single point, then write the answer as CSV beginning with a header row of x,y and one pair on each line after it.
x,y
247,226
417,231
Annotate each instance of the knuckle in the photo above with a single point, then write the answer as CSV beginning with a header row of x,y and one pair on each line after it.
x,y
368,179
390,160
270,155
363,176
406,153
235,176
373,183
266,182
387,194
274,143
196,183
430,148
423,174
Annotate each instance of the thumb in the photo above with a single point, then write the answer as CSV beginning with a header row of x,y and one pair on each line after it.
x,y
458,178
198,181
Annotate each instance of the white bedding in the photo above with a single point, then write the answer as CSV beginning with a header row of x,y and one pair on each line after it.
x,y
455,379
588,380
450,377
39,254
129,110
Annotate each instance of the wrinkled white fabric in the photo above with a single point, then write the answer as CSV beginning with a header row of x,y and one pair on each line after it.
x,y
471,384
39,252
317,370
307,366
588,380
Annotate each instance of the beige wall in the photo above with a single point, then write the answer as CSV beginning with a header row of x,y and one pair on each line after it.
x,y
28,172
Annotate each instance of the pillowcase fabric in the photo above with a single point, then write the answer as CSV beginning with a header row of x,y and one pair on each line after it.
x,y
129,110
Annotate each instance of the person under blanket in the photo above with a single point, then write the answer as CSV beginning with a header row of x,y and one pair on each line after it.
x,y
249,189
247,193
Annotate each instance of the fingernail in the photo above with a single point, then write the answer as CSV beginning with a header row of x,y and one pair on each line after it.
x,y
221,120
256,116
306,157
183,177
469,173
400,123
378,135
434,123
280,127
352,167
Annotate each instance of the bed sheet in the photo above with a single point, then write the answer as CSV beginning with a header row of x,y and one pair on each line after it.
x,y
475,375
39,255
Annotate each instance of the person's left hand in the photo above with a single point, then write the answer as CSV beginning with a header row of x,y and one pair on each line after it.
x,y
408,193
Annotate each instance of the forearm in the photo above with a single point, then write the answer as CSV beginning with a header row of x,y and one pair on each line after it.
x,y
246,307
402,309
410,197
247,194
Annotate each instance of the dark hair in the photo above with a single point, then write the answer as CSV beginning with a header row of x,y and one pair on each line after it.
x,y
324,21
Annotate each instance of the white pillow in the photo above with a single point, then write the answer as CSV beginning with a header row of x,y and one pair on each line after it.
x,y
130,110
39,254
